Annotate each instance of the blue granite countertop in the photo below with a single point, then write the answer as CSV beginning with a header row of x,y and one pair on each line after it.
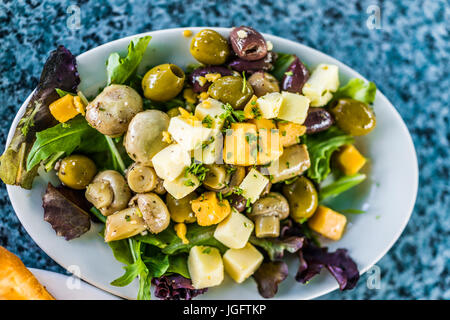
x,y
408,58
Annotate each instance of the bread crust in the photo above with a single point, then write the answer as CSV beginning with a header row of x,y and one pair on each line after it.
x,y
17,282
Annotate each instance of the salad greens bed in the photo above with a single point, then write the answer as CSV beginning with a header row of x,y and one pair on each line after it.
x,y
161,258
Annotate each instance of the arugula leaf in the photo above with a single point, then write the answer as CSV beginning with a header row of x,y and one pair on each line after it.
x,y
280,66
357,89
63,93
178,264
120,69
76,134
340,185
320,147
131,272
121,251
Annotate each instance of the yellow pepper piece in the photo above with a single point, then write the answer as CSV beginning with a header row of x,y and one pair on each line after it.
x,y
349,160
64,108
251,110
189,95
209,210
180,230
290,133
328,223
79,105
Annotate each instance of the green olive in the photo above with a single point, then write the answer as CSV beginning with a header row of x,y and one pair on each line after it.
x,y
353,117
209,47
231,89
76,171
163,82
180,209
302,198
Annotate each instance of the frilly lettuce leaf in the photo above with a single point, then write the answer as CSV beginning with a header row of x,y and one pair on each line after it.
x,y
357,89
268,276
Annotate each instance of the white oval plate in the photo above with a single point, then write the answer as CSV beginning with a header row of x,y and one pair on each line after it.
x,y
388,195
62,287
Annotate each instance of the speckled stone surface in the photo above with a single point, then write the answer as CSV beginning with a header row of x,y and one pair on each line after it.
x,y
408,59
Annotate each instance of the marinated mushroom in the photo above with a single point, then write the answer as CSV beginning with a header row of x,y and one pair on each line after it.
x,y
76,171
293,162
263,82
153,209
144,137
124,224
216,177
180,209
141,178
159,188
112,110
267,213
108,192
237,174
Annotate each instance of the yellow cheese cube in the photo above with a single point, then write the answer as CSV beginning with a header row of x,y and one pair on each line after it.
x,y
205,267
182,185
323,81
294,108
234,231
253,184
349,160
270,104
64,108
269,144
240,146
242,263
328,223
290,133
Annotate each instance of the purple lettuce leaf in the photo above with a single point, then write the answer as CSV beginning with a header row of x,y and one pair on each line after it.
x,y
67,211
275,247
59,71
175,287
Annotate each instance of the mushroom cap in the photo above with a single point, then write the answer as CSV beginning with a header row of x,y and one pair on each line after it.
x,y
273,204
154,211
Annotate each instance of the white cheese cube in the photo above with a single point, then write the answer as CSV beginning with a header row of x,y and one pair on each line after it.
x,y
242,263
270,104
212,109
323,81
182,185
234,231
294,108
188,133
253,184
205,267
170,162
211,150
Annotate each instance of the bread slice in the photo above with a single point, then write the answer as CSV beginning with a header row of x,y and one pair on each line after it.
x,y
17,282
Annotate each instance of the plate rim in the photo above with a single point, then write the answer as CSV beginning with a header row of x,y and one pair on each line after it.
x,y
290,43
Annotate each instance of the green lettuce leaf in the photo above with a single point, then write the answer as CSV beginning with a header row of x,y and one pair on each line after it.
x,y
120,70
63,139
340,185
357,89
320,147
178,264
280,66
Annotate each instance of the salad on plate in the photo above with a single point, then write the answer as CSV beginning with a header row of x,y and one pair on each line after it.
x,y
223,167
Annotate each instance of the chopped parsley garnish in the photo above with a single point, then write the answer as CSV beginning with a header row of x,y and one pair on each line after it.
x,y
231,116
197,169
207,250
289,73
244,82
208,121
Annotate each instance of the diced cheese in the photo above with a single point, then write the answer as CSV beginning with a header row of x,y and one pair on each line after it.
x,y
350,160
253,184
240,146
184,184
270,104
323,81
269,144
328,223
211,109
188,133
234,231
211,150
170,162
242,263
294,108
205,267
290,133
